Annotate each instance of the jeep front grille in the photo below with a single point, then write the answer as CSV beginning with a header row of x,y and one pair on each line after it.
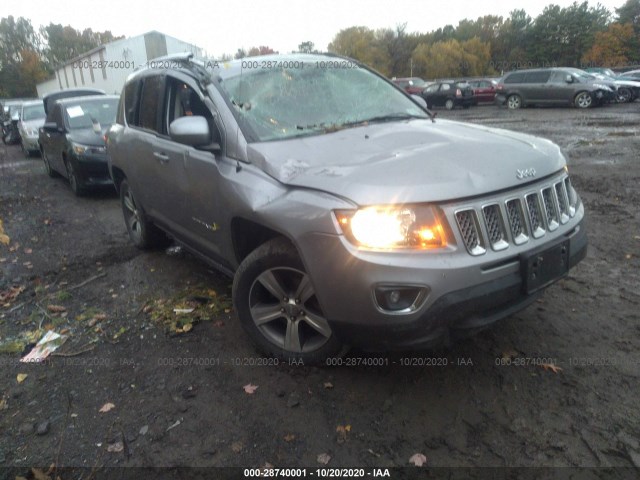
x,y
550,209
495,227
515,220
469,229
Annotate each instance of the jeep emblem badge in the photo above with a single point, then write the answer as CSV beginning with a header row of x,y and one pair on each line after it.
x,y
527,173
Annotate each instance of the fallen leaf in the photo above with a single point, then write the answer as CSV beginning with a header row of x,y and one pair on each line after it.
x,y
237,447
323,458
182,311
178,422
187,327
3,404
56,308
28,251
267,466
342,433
628,256
551,366
250,389
107,407
99,317
418,459
39,474
328,385
115,447
289,437
509,354
21,377
4,238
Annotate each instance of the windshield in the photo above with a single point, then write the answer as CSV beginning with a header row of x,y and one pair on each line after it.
x,y
33,112
90,113
310,99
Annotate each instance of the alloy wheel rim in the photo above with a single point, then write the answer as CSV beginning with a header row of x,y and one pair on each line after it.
x,y
285,309
514,102
584,100
133,215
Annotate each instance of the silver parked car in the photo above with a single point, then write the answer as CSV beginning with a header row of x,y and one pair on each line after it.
x,y
31,119
344,212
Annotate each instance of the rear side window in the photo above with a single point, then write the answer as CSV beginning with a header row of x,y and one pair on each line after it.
x,y
131,96
538,77
517,77
150,100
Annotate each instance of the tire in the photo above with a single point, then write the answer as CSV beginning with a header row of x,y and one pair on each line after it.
x,y
142,232
624,95
76,186
277,306
449,104
583,100
47,166
514,102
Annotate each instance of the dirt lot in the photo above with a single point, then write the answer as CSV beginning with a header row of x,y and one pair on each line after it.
x,y
177,389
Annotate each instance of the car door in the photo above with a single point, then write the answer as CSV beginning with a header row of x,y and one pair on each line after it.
x,y
430,94
159,168
55,140
558,90
202,215
444,92
537,86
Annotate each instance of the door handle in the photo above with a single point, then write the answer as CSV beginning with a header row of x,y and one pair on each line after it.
x,y
162,157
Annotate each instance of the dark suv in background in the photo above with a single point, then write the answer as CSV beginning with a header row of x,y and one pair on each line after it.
x,y
449,94
552,86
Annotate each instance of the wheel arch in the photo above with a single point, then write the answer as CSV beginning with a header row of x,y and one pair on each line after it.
x,y
118,176
247,235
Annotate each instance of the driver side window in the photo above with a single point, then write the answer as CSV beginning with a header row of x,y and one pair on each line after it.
x,y
182,101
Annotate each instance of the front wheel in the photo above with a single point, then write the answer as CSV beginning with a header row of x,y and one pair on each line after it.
x,y
514,102
74,182
449,104
278,308
624,95
583,100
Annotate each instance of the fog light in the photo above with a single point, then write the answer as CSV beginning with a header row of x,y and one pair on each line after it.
x,y
399,299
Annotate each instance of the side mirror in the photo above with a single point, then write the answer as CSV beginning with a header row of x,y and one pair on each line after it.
x,y
192,131
419,100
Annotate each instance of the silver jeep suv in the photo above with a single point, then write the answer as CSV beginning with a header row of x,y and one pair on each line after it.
x,y
346,214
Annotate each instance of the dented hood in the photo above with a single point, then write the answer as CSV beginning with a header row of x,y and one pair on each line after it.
x,y
408,161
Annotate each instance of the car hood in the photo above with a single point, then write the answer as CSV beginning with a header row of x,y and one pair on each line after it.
x,y
409,161
87,136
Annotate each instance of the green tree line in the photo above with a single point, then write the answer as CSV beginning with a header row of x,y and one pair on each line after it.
x,y
576,36
27,56
579,35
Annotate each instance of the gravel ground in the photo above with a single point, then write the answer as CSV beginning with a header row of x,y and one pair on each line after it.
x,y
178,389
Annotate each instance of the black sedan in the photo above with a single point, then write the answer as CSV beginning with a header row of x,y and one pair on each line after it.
x,y
449,95
72,140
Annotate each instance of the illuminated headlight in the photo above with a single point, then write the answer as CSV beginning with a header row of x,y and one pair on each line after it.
x,y
388,227
81,149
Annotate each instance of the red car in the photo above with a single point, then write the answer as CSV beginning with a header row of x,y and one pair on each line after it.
x,y
412,85
484,90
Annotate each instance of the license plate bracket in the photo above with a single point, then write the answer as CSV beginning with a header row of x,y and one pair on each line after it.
x,y
545,266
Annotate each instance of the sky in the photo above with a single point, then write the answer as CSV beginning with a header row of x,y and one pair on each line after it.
x,y
223,26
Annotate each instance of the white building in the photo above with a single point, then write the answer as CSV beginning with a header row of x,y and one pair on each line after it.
x,y
107,66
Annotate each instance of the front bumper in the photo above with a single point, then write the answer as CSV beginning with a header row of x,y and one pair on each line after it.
x,y
92,170
466,293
